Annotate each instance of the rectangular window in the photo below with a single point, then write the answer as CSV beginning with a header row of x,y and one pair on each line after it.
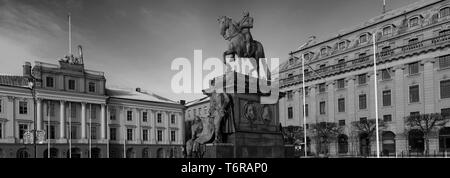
x,y
172,119
445,89
91,87
322,88
145,134
129,134
159,117
73,111
93,112
172,135
1,130
341,105
341,83
387,98
49,82
322,107
306,109
444,12
445,112
23,107
22,129
363,120
52,132
363,38
112,133
290,113
413,68
73,132
112,114
362,79
387,30
385,74
414,94
129,115
52,109
341,45
1,105
387,118
341,122
144,117
93,132
289,95
71,84
362,101
444,61
160,135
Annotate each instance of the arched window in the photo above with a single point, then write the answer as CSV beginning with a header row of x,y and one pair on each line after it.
x,y
53,153
416,141
160,153
444,12
145,153
342,144
95,153
130,153
444,139
388,143
23,153
364,144
76,153
2,155
414,21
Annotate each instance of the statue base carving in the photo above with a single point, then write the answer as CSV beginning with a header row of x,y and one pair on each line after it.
x,y
257,131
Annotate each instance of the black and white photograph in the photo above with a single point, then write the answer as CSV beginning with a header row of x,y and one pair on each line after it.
x,y
207,87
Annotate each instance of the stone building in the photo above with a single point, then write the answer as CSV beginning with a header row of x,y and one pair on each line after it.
x,y
73,108
413,76
199,107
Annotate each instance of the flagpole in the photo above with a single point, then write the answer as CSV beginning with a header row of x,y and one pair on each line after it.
x,y
70,130
90,130
124,133
376,94
107,131
48,129
70,36
304,107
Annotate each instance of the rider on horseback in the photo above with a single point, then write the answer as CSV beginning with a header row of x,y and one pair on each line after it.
x,y
245,25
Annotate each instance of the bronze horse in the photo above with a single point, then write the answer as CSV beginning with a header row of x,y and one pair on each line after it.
x,y
231,32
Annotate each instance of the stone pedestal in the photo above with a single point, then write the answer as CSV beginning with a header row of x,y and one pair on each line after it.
x,y
257,128
219,150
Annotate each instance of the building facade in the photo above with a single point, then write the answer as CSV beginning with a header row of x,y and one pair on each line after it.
x,y
413,76
74,111
197,108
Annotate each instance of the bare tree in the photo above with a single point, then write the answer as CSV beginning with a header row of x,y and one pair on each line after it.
x,y
292,133
367,129
324,133
426,123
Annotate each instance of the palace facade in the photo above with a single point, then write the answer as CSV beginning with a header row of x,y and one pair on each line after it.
x,y
75,110
413,77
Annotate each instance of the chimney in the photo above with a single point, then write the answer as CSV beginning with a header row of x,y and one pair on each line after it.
x,y
138,90
27,69
183,102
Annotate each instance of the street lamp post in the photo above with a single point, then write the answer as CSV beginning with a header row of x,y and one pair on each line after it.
x,y
33,94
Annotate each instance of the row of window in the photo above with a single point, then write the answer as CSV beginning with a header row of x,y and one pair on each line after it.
x,y
414,97
144,116
364,38
50,83
145,134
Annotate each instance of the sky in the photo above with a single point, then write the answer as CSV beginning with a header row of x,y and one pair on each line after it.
x,y
135,41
